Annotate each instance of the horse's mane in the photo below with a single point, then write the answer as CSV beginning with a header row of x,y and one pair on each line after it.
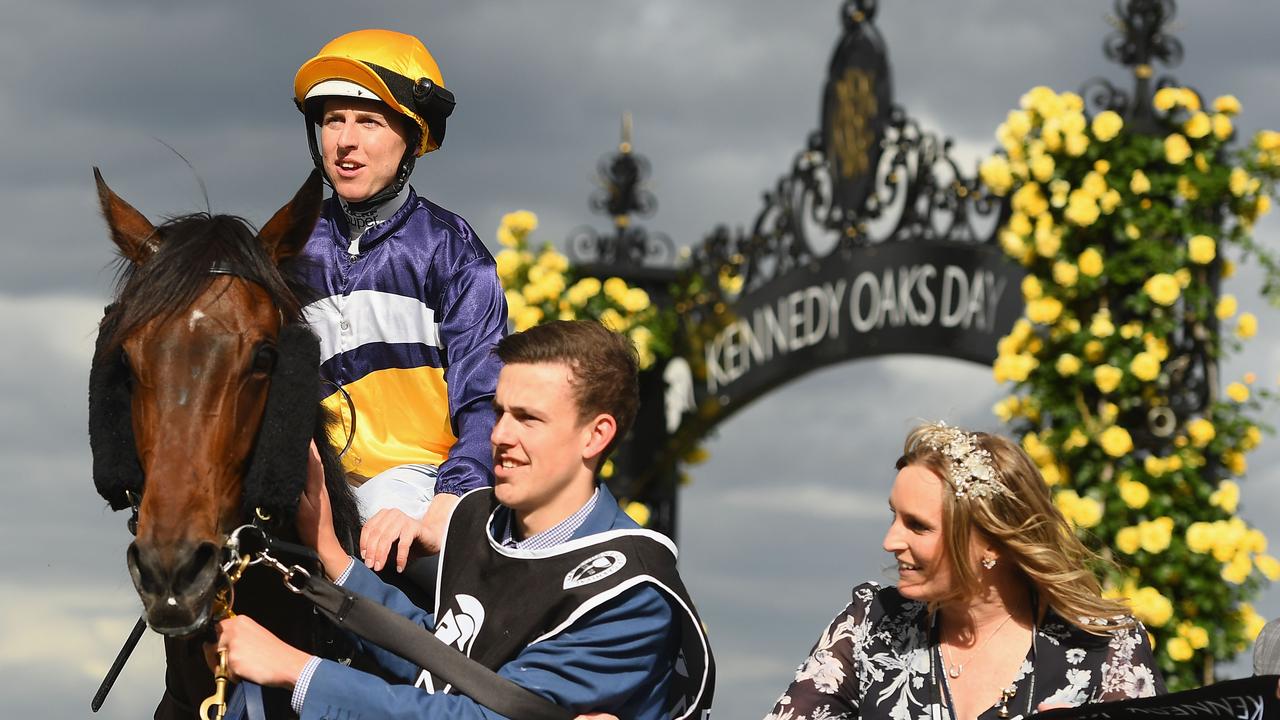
x,y
189,247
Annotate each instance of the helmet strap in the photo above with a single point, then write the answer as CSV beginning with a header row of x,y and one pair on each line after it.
x,y
390,191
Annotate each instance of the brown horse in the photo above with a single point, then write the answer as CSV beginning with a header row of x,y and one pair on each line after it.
x,y
203,402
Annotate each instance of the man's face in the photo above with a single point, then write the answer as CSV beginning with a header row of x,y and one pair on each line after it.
x,y
362,142
539,442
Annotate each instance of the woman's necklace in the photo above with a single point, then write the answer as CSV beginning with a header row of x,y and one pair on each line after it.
x,y
955,668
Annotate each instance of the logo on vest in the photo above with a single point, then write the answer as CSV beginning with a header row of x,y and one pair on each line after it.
x,y
458,629
596,567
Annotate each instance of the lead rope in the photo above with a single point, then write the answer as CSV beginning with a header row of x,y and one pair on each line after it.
x,y
223,607
139,627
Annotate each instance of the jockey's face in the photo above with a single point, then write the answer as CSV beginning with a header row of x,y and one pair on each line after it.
x,y
363,142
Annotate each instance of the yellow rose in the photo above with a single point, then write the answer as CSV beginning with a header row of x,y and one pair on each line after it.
x,y
1094,184
613,320
1029,200
1201,432
1176,149
1067,365
1009,240
1238,392
520,222
1037,450
1048,240
1189,99
1018,123
1252,621
1044,310
995,174
1115,441
1222,128
1162,288
1076,144
1101,325
1051,475
1156,534
1200,537
1007,408
1235,462
1132,232
1139,184
1090,262
1134,494
1227,104
1197,126
1237,571
1145,366
1227,496
1088,513
1187,189
1106,125
1110,201
527,317
1179,649
508,263
639,512
1238,181
1082,208
635,300
1268,565
1252,437
616,289
1093,350
1151,607
1201,249
1165,98
1247,326
1041,167
1226,307
1075,440
1065,273
1031,288
1128,540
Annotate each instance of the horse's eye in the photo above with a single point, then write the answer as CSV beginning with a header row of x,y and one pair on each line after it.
x,y
264,360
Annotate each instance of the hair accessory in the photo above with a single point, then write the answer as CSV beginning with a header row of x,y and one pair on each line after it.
x,y
970,470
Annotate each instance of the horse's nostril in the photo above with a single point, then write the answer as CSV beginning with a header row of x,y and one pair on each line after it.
x,y
199,561
147,576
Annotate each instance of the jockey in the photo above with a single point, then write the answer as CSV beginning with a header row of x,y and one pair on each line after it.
x,y
408,305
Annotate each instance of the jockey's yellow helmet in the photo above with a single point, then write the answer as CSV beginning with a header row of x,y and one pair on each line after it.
x,y
384,65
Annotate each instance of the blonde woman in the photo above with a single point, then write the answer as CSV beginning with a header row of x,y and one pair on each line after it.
x,y
996,613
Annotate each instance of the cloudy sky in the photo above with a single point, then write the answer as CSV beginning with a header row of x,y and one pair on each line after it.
x,y
786,515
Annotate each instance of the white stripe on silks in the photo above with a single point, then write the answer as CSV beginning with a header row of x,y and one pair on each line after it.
x,y
370,316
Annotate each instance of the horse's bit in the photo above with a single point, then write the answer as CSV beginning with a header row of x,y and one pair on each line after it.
x,y
234,566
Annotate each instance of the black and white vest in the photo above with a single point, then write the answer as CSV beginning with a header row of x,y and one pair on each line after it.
x,y
492,602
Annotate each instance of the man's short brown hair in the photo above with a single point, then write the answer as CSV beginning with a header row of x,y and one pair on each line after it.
x,y
603,365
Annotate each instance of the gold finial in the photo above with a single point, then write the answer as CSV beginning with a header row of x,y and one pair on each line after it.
x,y
624,147
1142,71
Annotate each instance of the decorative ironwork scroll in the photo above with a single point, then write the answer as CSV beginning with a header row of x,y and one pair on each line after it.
x,y
875,242
623,193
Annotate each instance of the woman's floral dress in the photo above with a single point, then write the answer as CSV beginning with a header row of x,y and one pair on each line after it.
x,y
877,660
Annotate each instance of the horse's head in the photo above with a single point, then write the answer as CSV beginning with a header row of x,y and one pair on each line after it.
x,y
197,320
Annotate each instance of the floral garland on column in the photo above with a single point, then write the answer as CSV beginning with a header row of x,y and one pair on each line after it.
x,y
1123,236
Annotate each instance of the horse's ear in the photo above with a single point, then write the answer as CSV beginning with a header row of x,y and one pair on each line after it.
x,y
287,231
130,229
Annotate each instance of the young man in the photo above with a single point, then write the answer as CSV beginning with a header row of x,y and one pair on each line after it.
x,y
542,579
409,304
